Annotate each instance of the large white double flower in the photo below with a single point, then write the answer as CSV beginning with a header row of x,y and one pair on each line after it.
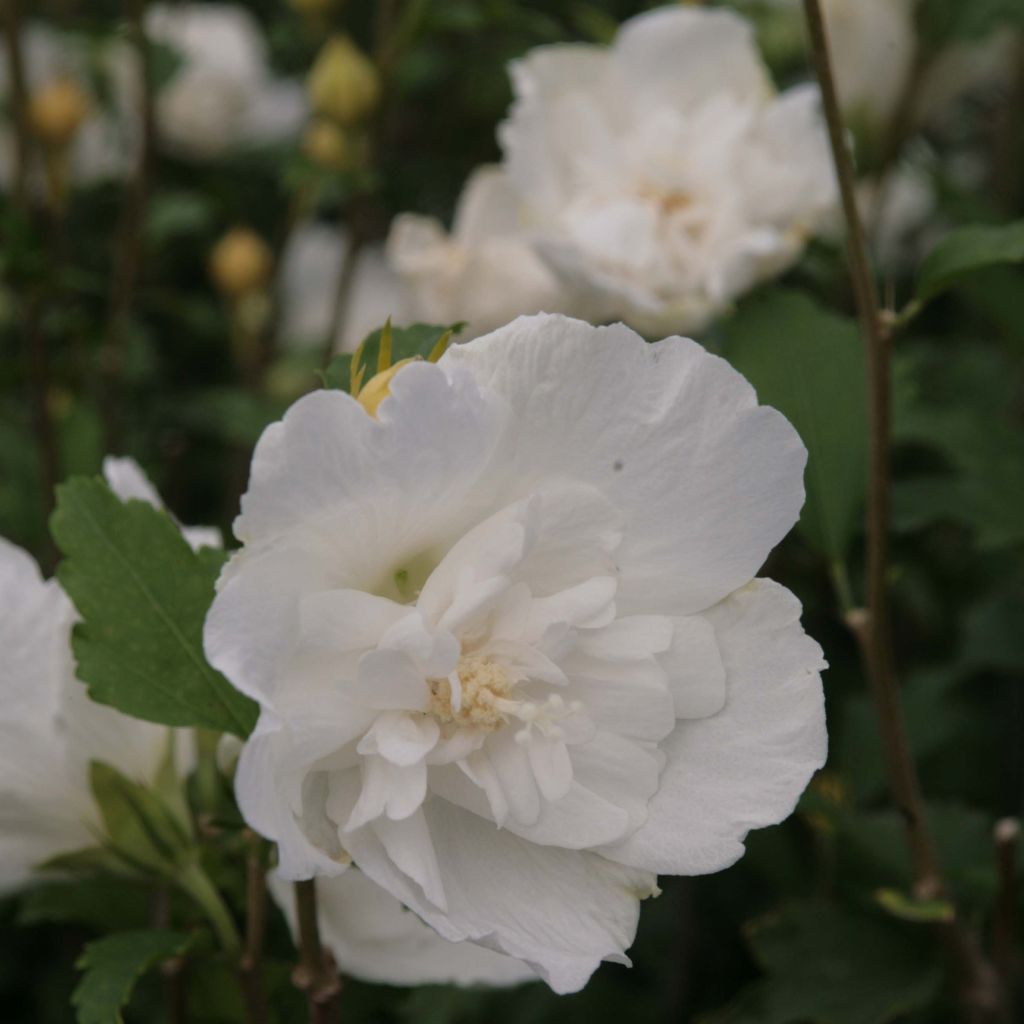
x,y
509,650
663,176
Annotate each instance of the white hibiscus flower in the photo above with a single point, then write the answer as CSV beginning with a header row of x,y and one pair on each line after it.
x,y
224,95
508,646
485,271
666,195
374,938
49,728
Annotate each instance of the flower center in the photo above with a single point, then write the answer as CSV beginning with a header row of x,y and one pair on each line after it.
x,y
479,694
475,694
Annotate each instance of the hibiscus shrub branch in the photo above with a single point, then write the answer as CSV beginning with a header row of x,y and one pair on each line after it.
x,y
979,985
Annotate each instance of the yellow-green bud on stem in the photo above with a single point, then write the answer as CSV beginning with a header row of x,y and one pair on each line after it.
x,y
240,263
343,83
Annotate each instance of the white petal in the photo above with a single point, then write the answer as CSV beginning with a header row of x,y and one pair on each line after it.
x,y
347,620
512,768
694,668
561,911
374,938
707,480
388,680
400,738
394,790
746,766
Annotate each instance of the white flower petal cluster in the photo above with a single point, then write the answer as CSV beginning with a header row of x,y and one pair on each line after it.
x,y
485,271
665,195
509,649
101,148
310,269
49,728
224,96
374,938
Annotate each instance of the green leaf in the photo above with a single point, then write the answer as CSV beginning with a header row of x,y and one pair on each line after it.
x,y
138,825
944,22
809,364
406,343
113,965
143,596
833,965
967,250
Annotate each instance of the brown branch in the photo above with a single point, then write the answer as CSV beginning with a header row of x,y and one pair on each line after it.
x,y
343,292
316,973
19,102
1004,931
251,965
980,989
128,255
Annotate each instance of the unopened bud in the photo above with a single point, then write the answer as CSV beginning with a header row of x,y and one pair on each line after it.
x,y
328,146
343,82
378,387
240,263
57,111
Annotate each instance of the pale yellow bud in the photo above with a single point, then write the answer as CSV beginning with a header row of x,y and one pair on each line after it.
x,y
57,111
328,146
343,82
378,387
240,263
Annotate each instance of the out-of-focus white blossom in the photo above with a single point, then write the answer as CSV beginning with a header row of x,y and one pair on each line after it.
x,y
897,212
374,938
485,271
224,96
310,270
49,728
663,175
509,649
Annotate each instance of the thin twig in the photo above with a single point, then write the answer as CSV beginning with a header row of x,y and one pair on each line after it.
x,y
18,102
316,973
1004,931
342,294
980,989
251,965
128,256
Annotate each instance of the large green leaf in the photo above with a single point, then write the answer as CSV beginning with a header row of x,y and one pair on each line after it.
x,y
809,364
828,964
113,965
965,251
143,595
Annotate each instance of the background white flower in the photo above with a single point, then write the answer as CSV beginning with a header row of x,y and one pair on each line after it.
x,y
374,938
49,728
666,195
224,95
310,270
506,638
485,271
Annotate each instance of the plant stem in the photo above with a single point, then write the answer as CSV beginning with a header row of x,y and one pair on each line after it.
x,y
193,880
125,275
316,974
19,102
1004,931
343,291
251,964
980,988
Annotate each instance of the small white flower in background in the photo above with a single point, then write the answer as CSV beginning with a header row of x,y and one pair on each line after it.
x,y
310,270
899,212
509,651
100,149
372,937
485,271
224,96
666,195
49,728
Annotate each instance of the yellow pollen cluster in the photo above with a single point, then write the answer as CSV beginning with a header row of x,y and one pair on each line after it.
x,y
485,688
